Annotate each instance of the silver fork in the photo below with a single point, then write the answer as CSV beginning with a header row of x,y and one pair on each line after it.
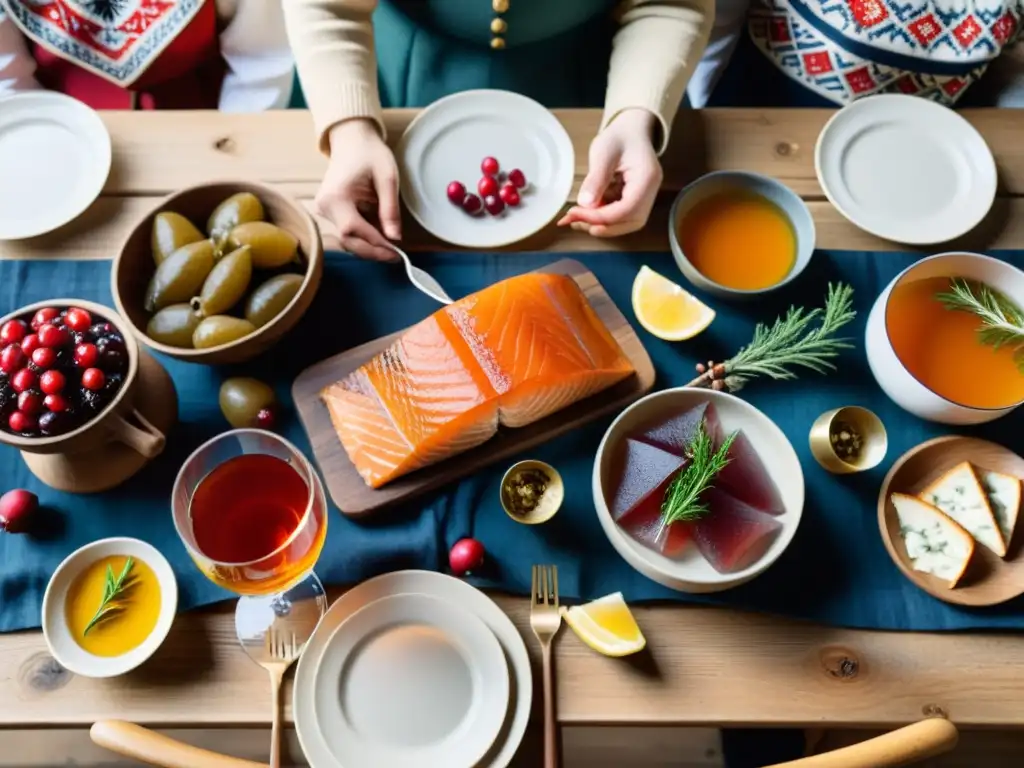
x,y
422,279
545,621
282,649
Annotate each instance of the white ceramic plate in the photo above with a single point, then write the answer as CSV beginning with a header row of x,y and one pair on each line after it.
x,y
448,140
906,169
440,586
411,680
64,648
692,572
54,160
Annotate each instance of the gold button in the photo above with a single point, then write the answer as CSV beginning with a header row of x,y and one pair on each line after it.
x,y
498,26
499,6
497,42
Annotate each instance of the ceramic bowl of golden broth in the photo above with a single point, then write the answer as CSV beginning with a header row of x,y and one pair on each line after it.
x,y
109,606
923,344
737,234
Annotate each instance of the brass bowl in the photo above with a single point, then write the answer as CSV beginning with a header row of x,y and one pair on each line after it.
x,y
874,440
134,267
550,501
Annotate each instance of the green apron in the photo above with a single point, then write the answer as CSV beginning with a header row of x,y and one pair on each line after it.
x,y
556,51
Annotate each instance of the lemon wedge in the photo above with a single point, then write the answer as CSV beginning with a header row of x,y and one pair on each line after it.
x,y
666,310
606,625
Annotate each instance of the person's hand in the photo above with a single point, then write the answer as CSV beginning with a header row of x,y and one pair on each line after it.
x,y
361,180
623,180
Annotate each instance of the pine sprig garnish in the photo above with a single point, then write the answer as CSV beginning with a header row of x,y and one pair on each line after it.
x,y
792,341
683,497
1002,322
113,589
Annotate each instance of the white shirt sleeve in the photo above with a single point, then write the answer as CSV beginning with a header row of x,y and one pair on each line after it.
x,y
254,43
17,67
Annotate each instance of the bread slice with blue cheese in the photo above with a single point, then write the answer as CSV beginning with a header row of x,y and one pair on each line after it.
x,y
959,494
935,543
1003,493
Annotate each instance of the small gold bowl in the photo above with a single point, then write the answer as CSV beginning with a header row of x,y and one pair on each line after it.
x,y
550,500
834,428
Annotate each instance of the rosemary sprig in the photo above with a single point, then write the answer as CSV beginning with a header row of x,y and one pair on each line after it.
x,y
791,341
683,496
114,588
1002,322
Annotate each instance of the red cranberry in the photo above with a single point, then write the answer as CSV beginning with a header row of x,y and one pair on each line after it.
x,y
78,320
494,205
12,332
517,177
22,380
94,379
52,382
467,555
266,419
11,358
487,186
44,315
509,195
55,403
44,357
30,344
16,508
457,192
30,403
86,355
52,336
19,421
472,204
489,166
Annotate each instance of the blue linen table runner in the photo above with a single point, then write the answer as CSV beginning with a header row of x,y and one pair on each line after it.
x,y
836,571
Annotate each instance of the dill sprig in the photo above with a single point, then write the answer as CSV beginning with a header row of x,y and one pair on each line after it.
x,y
682,500
1002,322
113,589
792,341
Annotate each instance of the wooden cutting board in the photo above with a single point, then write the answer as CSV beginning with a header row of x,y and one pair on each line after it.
x,y
355,498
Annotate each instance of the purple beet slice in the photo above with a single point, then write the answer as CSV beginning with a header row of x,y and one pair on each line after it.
x,y
733,534
644,525
675,434
746,478
643,470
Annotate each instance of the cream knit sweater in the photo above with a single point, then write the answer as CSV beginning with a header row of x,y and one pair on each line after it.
x,y
655,50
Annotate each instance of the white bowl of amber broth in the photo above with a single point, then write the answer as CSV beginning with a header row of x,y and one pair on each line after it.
x,y
690,571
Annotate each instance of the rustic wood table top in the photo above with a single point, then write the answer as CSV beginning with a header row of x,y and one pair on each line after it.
x,y
707,666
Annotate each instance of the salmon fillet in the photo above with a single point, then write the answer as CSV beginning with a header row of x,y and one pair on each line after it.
x,y
510,354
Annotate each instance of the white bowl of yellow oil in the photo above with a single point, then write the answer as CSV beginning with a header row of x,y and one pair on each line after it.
x,y
737,234
109,606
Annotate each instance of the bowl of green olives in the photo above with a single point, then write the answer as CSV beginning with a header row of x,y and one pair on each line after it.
x,y
219,272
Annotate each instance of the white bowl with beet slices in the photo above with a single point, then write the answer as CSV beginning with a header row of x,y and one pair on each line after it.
x,y
752,510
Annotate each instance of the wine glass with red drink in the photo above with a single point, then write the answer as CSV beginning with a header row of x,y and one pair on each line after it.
x,y
252,514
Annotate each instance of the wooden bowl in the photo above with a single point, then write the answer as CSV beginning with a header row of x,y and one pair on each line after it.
x,y
134,267
990,579
118,422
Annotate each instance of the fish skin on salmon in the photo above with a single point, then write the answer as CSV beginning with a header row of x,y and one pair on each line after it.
x,y
508,355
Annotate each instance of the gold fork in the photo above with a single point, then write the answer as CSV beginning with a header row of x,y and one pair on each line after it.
x,y
545,621
282,649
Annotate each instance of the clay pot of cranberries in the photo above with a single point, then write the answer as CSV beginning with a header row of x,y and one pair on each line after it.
x,y
68,376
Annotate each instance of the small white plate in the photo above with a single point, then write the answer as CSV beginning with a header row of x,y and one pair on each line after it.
x,y
440,586
449,139
64,648
906,169
54,160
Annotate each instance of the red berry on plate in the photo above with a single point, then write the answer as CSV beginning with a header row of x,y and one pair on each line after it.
x,y
86,355
472,204
30,344
78,319
22,380
52,382
457,192
265,419
16,508
509,195
489,166
44,357
12,332
517,177
466,556
494,205
94,379
30,403
52,336
19,421
487,186
11,358
55,403
44,315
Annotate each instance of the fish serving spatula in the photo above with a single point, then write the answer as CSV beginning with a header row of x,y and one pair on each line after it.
x,y
422,279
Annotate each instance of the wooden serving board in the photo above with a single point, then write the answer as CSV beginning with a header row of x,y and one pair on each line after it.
x,y
355,498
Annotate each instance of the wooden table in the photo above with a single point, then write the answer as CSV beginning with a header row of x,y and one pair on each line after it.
x,y
708,667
